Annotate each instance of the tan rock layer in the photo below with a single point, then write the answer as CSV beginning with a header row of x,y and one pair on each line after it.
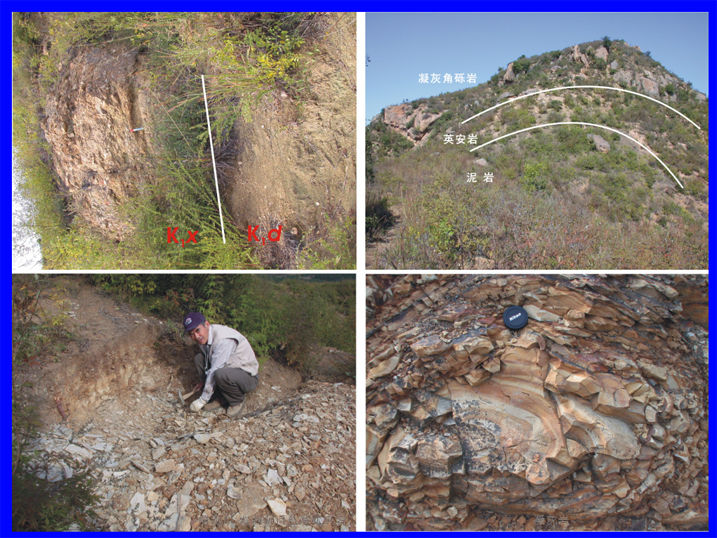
x,y
101,94
598,407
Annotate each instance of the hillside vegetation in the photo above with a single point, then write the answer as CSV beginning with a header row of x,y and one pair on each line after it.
x,y
561,197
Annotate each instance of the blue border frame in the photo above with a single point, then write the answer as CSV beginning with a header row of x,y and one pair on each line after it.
x,y
7,7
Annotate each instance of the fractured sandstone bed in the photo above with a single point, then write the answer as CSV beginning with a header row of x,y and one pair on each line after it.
x,y
598,407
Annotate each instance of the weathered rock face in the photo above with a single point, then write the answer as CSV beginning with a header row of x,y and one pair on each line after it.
x,y
602,53
580,57
509,74
411,123
596,409
101,94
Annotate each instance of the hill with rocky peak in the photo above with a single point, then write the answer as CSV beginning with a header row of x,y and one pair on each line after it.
x,y
556,197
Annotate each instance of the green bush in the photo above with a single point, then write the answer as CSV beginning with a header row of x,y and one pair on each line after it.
x,y
535,176
556,105
35,333
378,216
521,65
283,313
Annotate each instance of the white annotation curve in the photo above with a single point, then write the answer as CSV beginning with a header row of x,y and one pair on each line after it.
x,y
643,146
580,87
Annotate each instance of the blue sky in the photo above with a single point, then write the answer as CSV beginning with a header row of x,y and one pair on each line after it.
x,y
403,45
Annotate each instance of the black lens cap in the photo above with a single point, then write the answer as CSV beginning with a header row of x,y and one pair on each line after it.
x,y
515,317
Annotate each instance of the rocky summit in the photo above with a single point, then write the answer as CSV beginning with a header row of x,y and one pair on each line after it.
x,y
593,416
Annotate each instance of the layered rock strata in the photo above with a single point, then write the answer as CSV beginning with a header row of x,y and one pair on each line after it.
x,y
597,408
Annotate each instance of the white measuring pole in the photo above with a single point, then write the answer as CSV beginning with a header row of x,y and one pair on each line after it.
x,y
214,164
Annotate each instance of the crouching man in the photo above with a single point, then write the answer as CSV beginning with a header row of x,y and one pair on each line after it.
x,y
226,364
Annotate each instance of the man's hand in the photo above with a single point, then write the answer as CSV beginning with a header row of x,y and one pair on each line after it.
x,y
197,405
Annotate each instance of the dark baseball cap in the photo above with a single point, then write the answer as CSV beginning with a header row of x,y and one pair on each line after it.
x,y
192,320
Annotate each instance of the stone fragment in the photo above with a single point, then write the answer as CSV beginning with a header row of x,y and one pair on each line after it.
x,y
165,466
383,368
233,493
653,371
202,438
78,452
540,315
137,503
431,345
492,365
184,523
277,506
243,469
272,477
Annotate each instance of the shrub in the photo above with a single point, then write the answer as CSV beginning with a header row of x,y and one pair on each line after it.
x,y
521,65
378,216
535,176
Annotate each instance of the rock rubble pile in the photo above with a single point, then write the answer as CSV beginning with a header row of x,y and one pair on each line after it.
x,y
289,466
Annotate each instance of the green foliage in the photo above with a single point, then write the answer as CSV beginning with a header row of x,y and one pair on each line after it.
x,y
36,335
521,65
283,317
535,176
378,216
336,249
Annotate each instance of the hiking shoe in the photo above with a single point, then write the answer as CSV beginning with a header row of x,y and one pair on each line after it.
x,y
235,410
211,406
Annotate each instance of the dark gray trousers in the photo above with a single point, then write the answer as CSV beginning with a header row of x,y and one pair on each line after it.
x,y
231,383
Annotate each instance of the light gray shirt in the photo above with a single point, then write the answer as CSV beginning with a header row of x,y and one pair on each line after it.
x,y
226,347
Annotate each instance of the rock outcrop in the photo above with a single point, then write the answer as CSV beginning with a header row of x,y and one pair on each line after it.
x,y
602,145
411,123
101,94
601,53
509,74
580,57
595,411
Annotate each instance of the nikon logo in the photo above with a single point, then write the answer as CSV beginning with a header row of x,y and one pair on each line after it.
x,y
515,316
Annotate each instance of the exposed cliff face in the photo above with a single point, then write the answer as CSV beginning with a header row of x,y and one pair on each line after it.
x,y
596,409
100,95
411,122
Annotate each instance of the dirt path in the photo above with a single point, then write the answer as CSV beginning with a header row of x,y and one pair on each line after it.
x,y
160,467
